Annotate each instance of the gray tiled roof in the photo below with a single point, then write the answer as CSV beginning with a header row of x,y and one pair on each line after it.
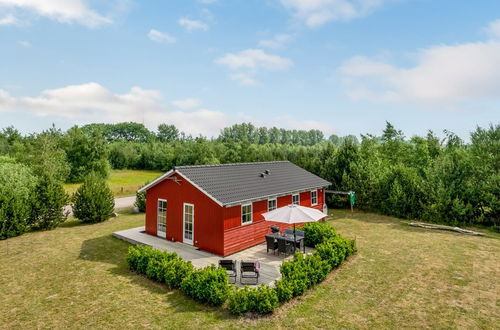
x,y
234,183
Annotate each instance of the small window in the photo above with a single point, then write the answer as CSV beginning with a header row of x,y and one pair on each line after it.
x,y
246,214
296,199
314,197
271,204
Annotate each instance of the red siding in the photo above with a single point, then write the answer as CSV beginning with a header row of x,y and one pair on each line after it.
x,y
208,229
238,237
216,229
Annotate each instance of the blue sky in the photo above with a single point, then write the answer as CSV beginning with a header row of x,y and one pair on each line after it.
x,y
341,66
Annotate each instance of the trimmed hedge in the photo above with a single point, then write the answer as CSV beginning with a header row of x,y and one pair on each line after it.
x,y
335,250
317,233
210,284
207,285
261,300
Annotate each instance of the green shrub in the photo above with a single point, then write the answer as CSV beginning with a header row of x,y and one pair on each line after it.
x,y
265,300
208,285
140,201
240,301
17,184
48,204
138,257
303,272
93,201
335,250
262,300
317,232
176,270
284,290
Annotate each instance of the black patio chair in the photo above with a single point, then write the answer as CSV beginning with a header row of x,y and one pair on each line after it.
x,y
230,267
300,233
271,243
284,246
249,270
289,232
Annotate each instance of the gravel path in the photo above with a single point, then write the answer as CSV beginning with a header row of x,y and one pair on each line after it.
x,y
120,203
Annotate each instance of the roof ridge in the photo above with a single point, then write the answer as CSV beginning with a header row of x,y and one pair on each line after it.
x,y
231,164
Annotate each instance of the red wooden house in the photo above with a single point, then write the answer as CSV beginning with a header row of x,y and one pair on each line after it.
x,y
218,208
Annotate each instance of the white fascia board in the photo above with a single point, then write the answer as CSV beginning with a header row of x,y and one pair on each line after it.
x,y
156,181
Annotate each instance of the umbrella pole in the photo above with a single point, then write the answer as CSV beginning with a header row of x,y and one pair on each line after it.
x,y
294,239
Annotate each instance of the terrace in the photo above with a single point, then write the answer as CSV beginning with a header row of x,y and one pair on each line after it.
x,y
269,262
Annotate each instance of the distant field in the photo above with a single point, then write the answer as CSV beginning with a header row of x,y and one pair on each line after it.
x,y
402,277
123,182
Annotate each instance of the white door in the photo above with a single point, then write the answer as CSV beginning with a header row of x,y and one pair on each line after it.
x,y
188,223
161,220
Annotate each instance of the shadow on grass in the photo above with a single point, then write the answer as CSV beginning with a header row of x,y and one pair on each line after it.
x,y
110,250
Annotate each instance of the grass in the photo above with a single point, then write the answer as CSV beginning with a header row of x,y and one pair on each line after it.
x,y
122,182
402,277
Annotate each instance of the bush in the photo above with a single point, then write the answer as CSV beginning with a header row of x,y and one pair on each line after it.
x,y
335,250
140,201
176,270
208,285
48,204
303,272
262,300
93,201
284,290
317,233
138,257
17,184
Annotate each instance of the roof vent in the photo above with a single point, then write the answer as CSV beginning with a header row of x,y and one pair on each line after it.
x,y
267,172
262,175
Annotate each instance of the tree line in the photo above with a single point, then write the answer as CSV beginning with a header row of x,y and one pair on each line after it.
x,y
434,179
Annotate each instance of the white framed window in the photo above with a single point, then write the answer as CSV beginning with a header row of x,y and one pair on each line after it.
x,y
246,214
314,197
161,220
296,199
272,204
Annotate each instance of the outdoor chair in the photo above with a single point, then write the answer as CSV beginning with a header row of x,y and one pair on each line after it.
x,y
230,267
289,232
271,243
250,270
284,246
300,233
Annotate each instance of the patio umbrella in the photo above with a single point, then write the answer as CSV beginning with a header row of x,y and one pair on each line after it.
x,y
293,214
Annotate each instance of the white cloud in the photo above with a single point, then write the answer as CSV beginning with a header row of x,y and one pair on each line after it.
x,y
67,11
192,25
92,102
244,79
493,29
254,59
187,103
9,20
278,41
24,43
318,12
161,37
442,76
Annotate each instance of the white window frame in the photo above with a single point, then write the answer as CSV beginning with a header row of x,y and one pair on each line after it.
x,y
275,204
184,224
251,214
298,199
158,214
316,197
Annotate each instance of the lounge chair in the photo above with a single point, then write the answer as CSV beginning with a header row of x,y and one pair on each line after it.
x,y
230,267
250,270
284,246
271,243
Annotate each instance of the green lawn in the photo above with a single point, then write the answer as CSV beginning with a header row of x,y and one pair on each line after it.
x,y
123,182
402,277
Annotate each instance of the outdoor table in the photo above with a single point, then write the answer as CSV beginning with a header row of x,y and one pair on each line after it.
x,y
290,239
